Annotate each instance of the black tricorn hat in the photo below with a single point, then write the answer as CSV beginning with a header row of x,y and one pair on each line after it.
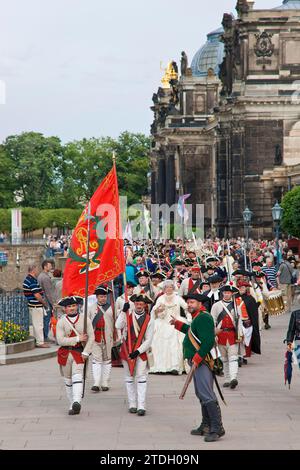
x,y
70,300
142,272
178,262
214,279
228,288
260,274
159,275
211,259
198,297
241,272
130,284
141,298
204,283
102,290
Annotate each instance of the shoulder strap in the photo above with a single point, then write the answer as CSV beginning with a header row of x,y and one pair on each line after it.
x,y
71,326
142,333
193,340
195,287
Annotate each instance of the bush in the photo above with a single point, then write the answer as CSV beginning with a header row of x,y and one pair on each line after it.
x,y
291,212
5,220
33,219
12,333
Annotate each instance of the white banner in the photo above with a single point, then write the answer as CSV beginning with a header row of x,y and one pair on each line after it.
x,y
16,226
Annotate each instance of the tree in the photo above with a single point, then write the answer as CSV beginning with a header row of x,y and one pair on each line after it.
x,y
39,172
86,163
35,161
7,182
291,212
5,220
60,218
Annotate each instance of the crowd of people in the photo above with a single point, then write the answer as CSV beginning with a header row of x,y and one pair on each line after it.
x,y
3,237
56,244
181,308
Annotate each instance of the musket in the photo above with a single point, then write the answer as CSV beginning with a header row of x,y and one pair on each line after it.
x,y
245,256
227,262
197,257
188,380
88,217
131,362
237,317
113,306
150,282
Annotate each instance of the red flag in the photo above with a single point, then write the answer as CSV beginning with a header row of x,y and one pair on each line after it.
x,y
106,243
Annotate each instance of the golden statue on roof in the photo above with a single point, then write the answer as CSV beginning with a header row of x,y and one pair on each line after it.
x,y
171,73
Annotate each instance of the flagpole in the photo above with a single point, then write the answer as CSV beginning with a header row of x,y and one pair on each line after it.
x,y
88,218
130,361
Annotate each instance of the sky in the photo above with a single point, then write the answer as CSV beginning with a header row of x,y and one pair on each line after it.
x,y
88,68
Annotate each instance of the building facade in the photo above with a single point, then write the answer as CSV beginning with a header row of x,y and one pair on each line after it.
x,y
227,128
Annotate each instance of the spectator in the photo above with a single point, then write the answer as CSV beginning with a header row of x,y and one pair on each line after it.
x,y
57,285
271,274
37,305
45,282
285,279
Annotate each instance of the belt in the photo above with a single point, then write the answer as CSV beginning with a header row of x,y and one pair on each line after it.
x,y
228,329
36,306
72,348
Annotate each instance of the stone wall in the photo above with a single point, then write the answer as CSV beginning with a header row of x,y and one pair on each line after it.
x,y
10,276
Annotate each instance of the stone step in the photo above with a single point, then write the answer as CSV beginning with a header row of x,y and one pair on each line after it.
x,y
36,354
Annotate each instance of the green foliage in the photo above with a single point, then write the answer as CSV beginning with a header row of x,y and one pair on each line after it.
x,y
291,212
86,163
12,333
35,162
61,218
7,183
5,220
33,219
39,172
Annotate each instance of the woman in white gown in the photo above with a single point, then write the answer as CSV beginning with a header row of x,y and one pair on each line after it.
x,y
167,342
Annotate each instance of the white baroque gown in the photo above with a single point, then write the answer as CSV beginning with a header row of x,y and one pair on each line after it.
x,y
167,341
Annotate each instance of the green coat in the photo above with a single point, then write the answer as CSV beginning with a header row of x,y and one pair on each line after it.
x,y
203,328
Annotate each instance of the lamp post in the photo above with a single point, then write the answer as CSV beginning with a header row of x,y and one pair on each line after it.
x,y
247,216
277,212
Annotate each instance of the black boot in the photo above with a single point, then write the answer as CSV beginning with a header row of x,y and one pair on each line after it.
x,y
203,429
216,426
266,321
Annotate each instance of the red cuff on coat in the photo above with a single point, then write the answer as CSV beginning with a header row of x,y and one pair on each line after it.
x,y
178,325
197,359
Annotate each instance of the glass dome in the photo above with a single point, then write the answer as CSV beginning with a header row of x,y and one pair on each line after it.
x,y
289,5
210,56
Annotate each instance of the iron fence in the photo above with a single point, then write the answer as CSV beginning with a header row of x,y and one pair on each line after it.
x,y
14,308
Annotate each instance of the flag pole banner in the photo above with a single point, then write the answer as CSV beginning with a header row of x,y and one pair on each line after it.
x,y
106,249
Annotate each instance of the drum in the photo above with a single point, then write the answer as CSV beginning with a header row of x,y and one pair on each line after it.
x,y
274,303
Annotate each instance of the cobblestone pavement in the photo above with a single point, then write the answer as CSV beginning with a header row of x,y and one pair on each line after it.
x,y
261,414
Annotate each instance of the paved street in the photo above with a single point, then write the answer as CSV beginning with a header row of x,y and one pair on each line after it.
x,y
261,414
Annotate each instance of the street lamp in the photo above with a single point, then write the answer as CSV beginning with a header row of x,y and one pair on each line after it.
x,y
247,216
277,212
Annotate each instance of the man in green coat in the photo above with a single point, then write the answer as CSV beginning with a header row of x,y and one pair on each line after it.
x,y
198,342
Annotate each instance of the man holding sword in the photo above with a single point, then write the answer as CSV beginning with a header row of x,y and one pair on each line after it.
x,y
198,342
